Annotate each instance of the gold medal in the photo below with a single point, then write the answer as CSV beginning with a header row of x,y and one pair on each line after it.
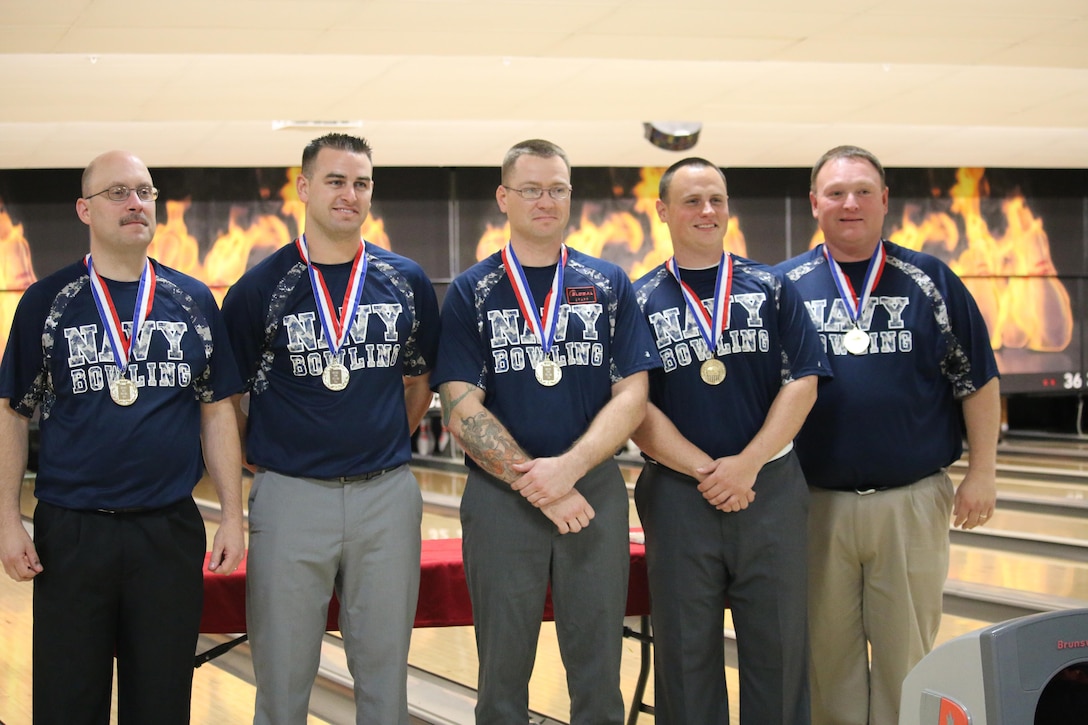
x,y
712,371
335,376
548,372
124,391
856,342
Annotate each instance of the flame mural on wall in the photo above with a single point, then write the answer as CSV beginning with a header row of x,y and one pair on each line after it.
x,y
1010,272
241,245
1011,275
16,271
232,252
623,231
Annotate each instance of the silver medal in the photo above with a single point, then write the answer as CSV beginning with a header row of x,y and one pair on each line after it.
x,y
124,391
548,372
335,376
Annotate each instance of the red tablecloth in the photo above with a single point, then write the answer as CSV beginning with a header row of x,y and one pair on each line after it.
x,y
443,595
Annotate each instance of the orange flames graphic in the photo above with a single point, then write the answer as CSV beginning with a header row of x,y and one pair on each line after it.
x,y
229,256
241,245
621,235
16,271
1011,276
1024,303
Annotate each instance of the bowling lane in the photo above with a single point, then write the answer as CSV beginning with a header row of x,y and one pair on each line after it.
x,y
1020,572
450,652
1038,524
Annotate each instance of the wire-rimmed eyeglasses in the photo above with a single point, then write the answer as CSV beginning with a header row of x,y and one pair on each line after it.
x,y
532,193
120,192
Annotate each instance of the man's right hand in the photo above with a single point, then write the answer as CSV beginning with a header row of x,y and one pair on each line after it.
x,y
18,553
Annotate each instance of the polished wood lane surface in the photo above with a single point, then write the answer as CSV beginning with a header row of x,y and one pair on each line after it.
x,y
222,697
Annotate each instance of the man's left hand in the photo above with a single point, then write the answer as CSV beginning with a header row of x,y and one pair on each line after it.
x,y
728,482
976,499
228,548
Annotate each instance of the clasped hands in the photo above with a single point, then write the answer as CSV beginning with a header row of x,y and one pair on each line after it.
x,y
548,484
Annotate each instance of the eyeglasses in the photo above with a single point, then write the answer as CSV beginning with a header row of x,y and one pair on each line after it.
x,y
122,192
532,193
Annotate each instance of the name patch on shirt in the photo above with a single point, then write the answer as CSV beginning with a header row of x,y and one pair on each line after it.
x,y
581,295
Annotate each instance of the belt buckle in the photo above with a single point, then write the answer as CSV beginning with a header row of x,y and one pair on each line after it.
x,y
363,476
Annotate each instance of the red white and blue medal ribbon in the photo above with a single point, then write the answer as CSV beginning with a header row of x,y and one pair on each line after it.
x,y
713,321
336,327
856,340
543,324
122,389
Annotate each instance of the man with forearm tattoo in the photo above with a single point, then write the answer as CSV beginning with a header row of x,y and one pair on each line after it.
x,y
540,396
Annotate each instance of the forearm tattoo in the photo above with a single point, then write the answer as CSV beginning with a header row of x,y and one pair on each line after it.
x,y
491,446
448,405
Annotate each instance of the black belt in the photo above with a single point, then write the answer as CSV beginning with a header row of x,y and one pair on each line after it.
x,y
878,489
117,512
362,476
136,510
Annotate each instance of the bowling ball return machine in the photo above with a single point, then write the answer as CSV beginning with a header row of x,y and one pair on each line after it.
x,y
1027,671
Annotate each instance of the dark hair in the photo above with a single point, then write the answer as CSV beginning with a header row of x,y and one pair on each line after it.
x,y
532,147
338,141
694,161
846,152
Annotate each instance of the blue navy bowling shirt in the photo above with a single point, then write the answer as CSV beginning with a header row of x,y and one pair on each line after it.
x,y
94,453
296,425
600,339
770,342
891,416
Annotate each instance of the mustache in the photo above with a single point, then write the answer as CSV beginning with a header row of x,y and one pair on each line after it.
x,y
137,218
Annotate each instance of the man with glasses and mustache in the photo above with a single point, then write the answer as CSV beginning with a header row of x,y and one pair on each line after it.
x,y
128,363
542,373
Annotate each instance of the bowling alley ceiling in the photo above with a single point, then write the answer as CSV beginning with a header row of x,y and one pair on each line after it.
x,y
456,82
